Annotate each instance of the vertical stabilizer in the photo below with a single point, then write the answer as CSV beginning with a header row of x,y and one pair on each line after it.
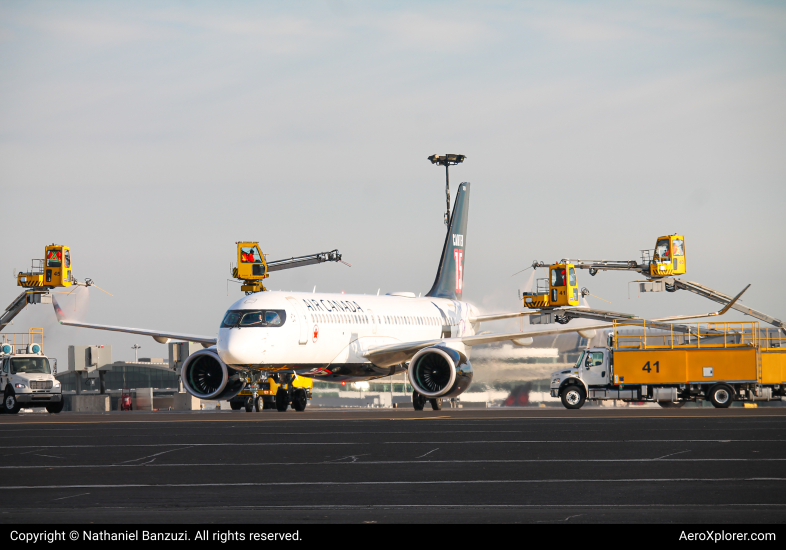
x,y
450,275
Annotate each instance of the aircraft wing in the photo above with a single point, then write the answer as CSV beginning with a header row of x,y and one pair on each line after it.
x,y
159,336
393,354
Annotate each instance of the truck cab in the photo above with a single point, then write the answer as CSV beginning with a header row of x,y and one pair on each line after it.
x,y
592,370
26,380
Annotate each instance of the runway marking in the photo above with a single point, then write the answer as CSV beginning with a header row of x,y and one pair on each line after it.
x,y
440,506
472,442
92,434
429,482
353,457
71,496
333,419
151,456
672,454
428,453
387,462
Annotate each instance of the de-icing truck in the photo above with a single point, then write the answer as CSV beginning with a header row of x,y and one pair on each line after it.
x,y
671,364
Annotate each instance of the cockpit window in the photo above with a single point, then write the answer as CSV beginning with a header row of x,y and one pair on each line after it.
x,y
36,365
250,255
255,318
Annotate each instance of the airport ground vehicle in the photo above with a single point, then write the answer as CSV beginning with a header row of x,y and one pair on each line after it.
x,y
26,378
277,391
659,266
672,364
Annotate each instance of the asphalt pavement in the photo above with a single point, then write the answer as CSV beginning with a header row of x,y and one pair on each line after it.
x,y
497,465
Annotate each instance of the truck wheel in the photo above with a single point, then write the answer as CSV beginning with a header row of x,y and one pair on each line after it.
x,y
235,405
259,403
249,404
573,397
12,406
721,396
436,404
282,400
299,400
54,408
418,401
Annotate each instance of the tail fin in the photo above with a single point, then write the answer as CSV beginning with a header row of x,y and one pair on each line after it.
x,y
450,275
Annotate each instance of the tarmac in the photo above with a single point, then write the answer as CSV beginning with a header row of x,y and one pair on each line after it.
x,y
384,466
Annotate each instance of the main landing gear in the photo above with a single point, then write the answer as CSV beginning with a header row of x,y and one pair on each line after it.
x,y
290,395
419,402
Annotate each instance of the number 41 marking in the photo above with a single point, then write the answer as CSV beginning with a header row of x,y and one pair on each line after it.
x,y
649,369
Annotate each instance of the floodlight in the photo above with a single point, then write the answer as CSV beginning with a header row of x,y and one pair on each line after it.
x,y
446,161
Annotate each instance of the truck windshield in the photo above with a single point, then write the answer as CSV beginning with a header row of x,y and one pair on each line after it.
x,y
580,359
256,318
37,365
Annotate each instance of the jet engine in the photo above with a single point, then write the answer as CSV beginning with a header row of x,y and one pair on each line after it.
x,y
206,376
440,372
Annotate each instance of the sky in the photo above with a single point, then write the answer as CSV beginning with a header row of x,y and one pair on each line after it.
x,y
151,136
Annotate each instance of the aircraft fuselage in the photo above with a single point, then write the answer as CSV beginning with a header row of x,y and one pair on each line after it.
x,y
324,336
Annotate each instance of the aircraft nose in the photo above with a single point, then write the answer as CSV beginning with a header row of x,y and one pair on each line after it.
x,y
240,346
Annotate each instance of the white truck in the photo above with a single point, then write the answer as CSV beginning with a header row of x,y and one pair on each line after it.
x,y
26,379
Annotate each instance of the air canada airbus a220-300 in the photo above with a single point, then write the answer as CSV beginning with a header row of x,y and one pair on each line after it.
x,y
346,337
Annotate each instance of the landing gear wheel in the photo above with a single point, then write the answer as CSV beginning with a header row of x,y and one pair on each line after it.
x,y
573,397
299,400
418,401
249,404
12,406
259,403
54,408
282,400
721,396
235,405
671,404
436,404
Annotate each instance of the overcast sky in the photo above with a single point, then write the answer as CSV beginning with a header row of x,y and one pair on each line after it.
x,y
150,137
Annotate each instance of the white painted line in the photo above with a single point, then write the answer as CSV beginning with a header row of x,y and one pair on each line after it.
x,y
430,482
472,442
372,462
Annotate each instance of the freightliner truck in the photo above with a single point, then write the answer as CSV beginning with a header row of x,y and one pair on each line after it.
x,y
672,364
26,378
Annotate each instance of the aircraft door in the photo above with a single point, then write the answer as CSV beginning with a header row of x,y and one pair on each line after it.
x,y
370,313
302,319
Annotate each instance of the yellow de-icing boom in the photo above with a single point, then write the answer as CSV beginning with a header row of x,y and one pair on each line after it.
x,y
252,267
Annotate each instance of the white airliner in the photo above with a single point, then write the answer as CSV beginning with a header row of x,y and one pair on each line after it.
x,y
346,337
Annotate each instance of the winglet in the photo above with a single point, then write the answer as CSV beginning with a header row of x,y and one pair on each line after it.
x,y
737,297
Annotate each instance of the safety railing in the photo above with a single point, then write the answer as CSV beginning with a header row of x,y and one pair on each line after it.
x,y
642,334
20,340
772,339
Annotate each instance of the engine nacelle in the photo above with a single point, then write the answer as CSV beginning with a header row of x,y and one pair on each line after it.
x,y
206,376
440,372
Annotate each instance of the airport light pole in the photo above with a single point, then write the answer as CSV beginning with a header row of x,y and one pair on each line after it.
x,y
446,161
135,347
